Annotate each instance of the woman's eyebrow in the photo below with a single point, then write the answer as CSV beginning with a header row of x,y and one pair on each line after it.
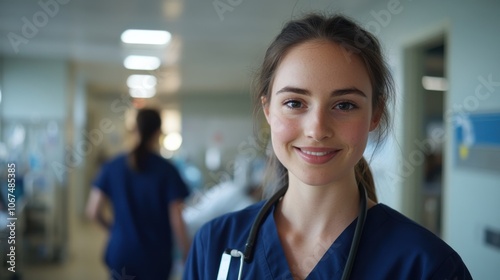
x,y
337,92
294,90
345,91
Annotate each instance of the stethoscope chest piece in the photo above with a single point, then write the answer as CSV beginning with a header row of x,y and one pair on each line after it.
x,y
225,263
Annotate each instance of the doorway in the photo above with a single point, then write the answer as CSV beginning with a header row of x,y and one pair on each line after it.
x,y
424,130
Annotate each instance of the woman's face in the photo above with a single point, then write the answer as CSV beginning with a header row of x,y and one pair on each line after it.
x,y
320,112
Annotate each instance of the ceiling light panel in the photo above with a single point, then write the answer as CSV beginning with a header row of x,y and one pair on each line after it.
x,y
137,62
146,37
141,81
142,93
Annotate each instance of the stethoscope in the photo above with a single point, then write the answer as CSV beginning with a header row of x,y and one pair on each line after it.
x,y
247,255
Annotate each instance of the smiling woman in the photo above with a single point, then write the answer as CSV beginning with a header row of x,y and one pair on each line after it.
x,y
320,113
323,87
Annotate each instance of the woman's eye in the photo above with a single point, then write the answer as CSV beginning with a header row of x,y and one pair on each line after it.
x,y
293,104
345,106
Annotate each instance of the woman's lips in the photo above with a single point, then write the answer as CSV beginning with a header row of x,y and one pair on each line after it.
x,y
314,155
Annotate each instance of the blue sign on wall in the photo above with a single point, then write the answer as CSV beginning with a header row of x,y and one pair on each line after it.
x,y
477,140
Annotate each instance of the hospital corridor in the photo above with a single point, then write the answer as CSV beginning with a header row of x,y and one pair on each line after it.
x,y
238,139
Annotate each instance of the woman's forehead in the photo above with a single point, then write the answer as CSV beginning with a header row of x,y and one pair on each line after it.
x,y
321,64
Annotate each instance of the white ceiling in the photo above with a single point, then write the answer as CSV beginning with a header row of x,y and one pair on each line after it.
x,y
217,52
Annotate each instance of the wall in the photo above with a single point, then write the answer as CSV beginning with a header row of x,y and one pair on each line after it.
x,y
223,120
35,96
34,89
470,196
77,120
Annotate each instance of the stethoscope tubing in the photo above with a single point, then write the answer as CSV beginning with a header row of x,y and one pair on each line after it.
x,y
247,256
254,230
357,233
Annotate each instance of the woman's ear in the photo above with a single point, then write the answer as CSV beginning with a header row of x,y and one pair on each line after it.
x,y
265,107
376,116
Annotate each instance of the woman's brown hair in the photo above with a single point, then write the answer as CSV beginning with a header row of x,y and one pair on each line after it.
x,y
148,124
354,41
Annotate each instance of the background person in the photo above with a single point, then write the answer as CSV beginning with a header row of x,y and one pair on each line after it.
x,y
146,193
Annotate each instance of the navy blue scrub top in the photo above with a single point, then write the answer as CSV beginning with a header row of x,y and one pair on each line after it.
x,y
140,242
392,247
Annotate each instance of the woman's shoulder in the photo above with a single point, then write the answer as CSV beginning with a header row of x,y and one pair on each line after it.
x,y
402,240
410,247
404,230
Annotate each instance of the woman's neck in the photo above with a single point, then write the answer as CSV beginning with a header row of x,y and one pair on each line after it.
x,y
319,211
310,218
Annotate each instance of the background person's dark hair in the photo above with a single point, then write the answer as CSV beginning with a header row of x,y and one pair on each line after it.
x,y
148,123
353,40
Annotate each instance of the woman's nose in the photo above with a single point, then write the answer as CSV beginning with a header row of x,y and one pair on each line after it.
x,y
318,125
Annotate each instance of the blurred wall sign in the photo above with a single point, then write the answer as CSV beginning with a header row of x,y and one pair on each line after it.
x,y
477,140
213,158
213,154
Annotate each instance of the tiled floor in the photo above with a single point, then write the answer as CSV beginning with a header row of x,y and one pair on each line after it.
x,y
84,260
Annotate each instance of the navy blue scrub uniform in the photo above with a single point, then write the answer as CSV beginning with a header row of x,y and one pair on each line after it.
x,y
140,243
392,247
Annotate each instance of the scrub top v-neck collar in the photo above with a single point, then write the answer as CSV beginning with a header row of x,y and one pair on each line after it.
x,y
330,266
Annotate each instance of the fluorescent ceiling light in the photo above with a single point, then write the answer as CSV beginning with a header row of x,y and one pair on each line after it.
x,y
142,93
141,81
435,83
146,37
137,62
